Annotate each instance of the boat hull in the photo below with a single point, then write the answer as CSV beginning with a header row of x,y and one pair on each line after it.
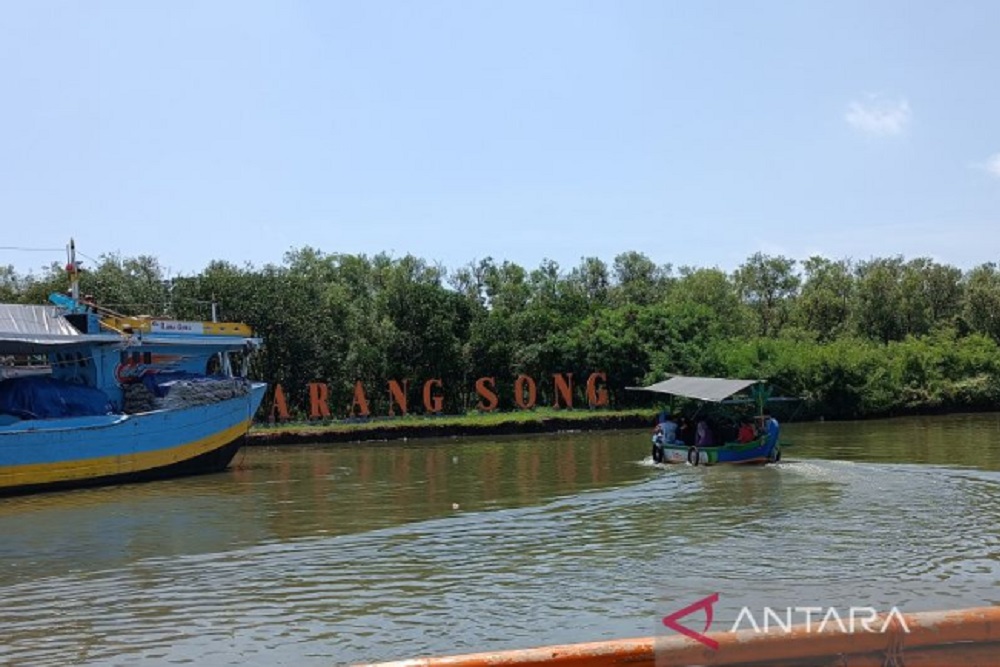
x,y
747,454
43,455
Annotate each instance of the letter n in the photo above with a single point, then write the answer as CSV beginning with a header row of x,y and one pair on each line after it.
x,y
318,395
563,384
359,400
397,396
279,404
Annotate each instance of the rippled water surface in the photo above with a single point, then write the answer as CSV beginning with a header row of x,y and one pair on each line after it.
x,y
332,555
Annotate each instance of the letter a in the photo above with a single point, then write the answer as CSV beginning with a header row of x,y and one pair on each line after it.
x,y
359,400
279,404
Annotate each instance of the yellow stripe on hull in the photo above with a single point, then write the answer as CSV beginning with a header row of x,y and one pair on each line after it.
x,y
122,464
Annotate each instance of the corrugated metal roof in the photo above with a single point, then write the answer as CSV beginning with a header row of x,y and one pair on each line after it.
x,y
31,320
38,329
705,389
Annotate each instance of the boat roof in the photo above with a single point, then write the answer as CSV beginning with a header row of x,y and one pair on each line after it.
x,y
34,320
705,389
35,329
32,329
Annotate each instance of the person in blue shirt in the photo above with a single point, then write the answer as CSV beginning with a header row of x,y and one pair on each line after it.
x,y
665,433
668,427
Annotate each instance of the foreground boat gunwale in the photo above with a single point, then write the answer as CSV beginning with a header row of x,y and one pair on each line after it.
x,y
949,635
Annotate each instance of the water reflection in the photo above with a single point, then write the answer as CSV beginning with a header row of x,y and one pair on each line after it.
x,y
328,555
949,440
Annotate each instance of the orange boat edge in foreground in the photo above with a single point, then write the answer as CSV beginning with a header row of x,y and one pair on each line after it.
x,y
966,638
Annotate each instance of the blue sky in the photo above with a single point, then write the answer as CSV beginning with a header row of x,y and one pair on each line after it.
x,y
696,132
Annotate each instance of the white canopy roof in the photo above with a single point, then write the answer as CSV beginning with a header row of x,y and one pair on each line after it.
x,y
705,389
33,320
26,329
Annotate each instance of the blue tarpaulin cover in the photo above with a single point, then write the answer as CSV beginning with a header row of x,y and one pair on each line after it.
x,y
38,397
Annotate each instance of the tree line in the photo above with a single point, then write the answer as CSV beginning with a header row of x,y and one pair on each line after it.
x,y
853,338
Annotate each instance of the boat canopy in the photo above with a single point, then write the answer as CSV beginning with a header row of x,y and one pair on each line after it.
x,y
28,329
34,320
704,389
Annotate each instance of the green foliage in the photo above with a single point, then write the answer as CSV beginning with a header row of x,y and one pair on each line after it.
x,y
981,301
768,285
12,285
883,336
826,297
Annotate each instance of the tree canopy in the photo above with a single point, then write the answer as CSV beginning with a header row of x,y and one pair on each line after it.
x,y
878,336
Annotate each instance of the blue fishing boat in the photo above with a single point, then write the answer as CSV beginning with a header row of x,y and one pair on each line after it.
x,y
89,397
757,442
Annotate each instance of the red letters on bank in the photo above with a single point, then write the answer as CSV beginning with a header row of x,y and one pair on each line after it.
x,y
525,396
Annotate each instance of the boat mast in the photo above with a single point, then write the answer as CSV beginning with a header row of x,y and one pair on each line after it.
x,y
74,271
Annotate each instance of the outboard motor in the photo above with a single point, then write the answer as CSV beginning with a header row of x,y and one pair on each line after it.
x,y
658,448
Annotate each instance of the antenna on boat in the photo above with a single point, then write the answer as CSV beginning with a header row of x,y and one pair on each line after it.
x,y
215,312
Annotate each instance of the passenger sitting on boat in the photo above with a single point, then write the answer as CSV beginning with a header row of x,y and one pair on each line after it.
x,y
686,432
668,428
728,432
703,437
746,433
665,433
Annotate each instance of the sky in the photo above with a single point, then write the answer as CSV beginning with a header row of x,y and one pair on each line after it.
x,y
696,132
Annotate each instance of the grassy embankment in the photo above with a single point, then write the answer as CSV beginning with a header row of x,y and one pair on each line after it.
x,y
544,420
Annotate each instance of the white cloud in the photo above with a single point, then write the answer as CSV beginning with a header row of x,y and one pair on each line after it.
x,y
879,116
992,165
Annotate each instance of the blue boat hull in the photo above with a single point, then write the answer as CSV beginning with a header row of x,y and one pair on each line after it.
x,y
750,453
42,455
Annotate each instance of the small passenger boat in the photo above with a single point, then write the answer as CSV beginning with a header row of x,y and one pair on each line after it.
x,y
762,447
88,397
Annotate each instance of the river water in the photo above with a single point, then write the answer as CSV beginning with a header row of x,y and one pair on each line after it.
x,y
330,555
